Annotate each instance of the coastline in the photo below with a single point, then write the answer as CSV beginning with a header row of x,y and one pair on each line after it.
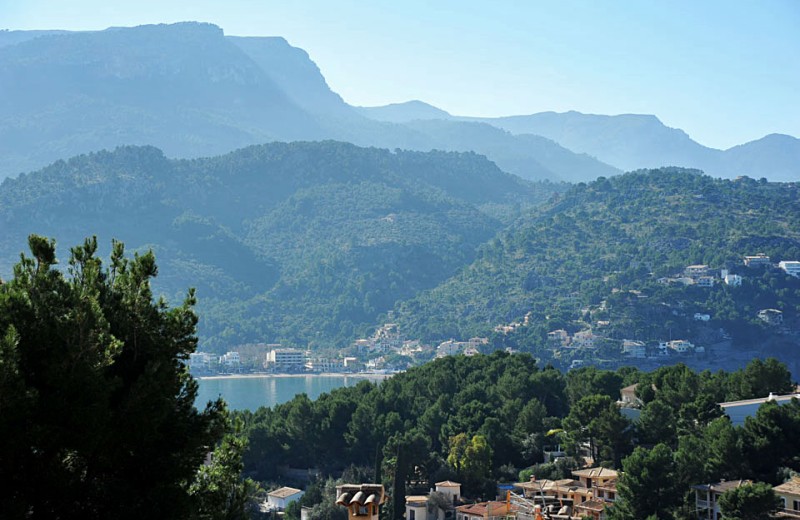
x,y
362,375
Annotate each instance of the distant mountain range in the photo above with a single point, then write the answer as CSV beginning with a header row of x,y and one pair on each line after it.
x,y
627,141
192,91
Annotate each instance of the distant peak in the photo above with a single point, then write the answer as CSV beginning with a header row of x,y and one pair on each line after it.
x,y
404,112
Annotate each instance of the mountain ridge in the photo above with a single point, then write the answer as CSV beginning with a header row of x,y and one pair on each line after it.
x,y
282,241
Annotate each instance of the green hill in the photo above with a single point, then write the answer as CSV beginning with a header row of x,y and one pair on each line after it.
x,y
593,258
298,242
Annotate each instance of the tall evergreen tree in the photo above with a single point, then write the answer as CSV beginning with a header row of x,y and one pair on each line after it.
x,y
97,408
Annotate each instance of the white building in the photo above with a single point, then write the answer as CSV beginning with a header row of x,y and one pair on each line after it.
x,y
738,411
771,316
634,349
200,359
734,280
584,339
681,346
285,360
280,498
698,316
792,267
705,281
696,270
230,359
451,490
759,260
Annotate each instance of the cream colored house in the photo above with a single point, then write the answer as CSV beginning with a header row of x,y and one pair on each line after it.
x,y
789,492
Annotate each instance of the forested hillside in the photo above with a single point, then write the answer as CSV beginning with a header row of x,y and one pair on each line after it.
x,y
299,242
594,257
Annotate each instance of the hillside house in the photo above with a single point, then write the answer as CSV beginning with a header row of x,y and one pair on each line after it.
x,y
738,411
696,271
278,499
593,477
417,508
789,492
704,281
791,267
583,339
759,260
558,337
771,316
681,346
420,507
634,349
706,497
591,484
451,490
493,510
734,280
628,396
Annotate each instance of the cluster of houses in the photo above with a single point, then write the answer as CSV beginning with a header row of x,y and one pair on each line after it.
x,y
590,493
452,347
640,350
702,276
370,355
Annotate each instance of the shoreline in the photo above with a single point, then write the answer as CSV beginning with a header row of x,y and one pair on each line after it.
x,y
362,375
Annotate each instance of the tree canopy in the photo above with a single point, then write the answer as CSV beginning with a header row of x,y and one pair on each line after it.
x,y
97,411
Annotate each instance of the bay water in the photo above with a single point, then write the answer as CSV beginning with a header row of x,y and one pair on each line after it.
x,y
252,392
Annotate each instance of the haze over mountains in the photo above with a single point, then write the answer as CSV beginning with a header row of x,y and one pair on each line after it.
x,y
192,91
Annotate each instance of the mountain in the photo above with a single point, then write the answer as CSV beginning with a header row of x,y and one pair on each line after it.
x,y
628,141
293,71
632,141
404,112
592,259
529,156
305,242
625,142
777,154
192,91
184,87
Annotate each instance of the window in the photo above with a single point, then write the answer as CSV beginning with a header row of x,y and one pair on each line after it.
x,y
412,515
796,505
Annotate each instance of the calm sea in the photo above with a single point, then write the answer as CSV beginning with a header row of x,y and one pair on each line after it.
x,y
250,393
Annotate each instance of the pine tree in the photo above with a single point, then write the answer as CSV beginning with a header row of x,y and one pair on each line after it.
x,y
97,410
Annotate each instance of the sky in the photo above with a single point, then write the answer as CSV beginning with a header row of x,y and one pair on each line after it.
x,y
726,72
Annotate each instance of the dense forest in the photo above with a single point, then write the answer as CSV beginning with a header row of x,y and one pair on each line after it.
x,y
301,242
486,419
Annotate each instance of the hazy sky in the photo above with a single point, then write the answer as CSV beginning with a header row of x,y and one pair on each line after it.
x,y
726,72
